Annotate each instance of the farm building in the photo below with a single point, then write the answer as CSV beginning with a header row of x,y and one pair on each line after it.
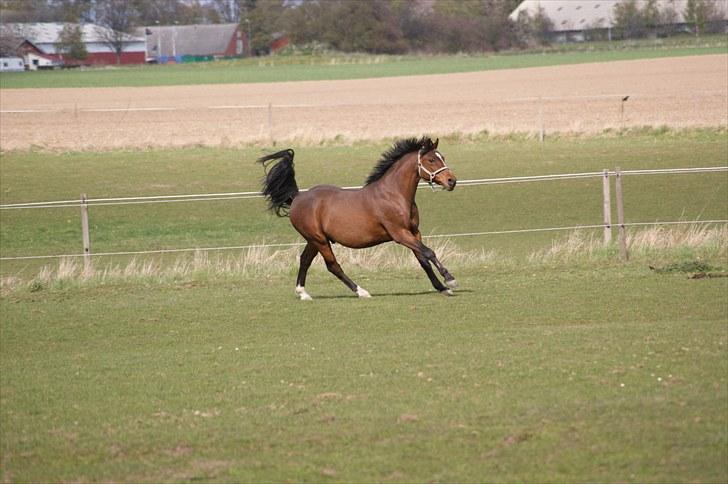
x,y
42,40
34,58
186,43
11,64
579,20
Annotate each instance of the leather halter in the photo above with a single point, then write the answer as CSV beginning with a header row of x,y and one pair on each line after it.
x,y
431,174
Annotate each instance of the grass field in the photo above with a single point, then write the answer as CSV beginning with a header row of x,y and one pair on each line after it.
x,y
342,66
564,369
609,374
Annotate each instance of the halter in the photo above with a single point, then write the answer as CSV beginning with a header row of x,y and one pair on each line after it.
x,y
431,174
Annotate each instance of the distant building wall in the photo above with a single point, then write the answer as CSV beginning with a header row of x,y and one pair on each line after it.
x,y
11,64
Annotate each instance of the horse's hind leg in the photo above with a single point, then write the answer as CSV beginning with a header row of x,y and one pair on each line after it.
x,y
333,266
307,256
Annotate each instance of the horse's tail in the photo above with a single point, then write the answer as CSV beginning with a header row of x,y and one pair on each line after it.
x,y
279,183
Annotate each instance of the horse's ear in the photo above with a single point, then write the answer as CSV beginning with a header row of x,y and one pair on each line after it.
x,y
426,146
434,146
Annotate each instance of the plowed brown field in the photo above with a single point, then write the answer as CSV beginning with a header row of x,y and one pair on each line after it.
x,y
677,92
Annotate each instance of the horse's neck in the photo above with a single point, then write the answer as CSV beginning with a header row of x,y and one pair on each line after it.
x,y
403,177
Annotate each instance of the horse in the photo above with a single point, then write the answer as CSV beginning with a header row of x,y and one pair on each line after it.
x,y
383,210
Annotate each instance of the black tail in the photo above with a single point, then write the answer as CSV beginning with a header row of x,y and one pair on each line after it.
x,y
279,183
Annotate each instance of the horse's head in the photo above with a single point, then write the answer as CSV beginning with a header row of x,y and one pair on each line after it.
x,y
432,168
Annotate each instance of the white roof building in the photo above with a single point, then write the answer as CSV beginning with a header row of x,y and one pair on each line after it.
x,y
44,35
578,15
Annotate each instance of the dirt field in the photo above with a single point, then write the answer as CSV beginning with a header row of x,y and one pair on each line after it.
x,y
678,92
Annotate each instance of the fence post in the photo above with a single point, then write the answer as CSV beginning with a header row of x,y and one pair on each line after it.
x,y
542,130
86,234
620,218
270,123
607,208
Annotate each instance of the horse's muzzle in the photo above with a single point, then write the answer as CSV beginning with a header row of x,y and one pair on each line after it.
x,y
451,182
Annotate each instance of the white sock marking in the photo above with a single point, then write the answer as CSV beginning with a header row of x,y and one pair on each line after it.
x,y
303,294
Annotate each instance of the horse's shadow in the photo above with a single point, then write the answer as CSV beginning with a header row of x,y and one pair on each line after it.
x,y
394,294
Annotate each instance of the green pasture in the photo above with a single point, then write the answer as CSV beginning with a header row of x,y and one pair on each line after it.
x,y
356,66
40,176
614,374
581,370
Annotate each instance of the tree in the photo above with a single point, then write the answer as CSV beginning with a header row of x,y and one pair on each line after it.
x,y
650,14
350,26
119,18
70,42
701,14
629,19
233,10
73,11
10,40
265,19
27,11
667,20
168,12
534,29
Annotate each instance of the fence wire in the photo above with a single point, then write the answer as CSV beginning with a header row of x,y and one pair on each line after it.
x,y
246,195
300,244
201,197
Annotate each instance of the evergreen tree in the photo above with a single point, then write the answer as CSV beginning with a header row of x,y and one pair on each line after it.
x,y
70,42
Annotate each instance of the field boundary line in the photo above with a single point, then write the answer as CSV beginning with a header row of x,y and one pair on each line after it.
x,y
299,244
110,109
245,195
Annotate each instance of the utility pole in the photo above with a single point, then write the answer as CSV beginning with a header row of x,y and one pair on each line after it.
x,y
250,48
159,43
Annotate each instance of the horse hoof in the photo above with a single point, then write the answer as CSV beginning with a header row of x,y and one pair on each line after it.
x,y
452,283
446,292
362,293
302,294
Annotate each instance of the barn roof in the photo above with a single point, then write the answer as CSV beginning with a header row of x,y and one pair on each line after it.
x,y
199,39
48,32
586,14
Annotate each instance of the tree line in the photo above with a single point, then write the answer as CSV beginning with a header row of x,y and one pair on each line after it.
x,y
636,20
373,26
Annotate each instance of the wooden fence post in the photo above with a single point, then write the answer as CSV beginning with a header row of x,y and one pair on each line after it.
x,y
620,218
86,234
542,128
270,123
607,208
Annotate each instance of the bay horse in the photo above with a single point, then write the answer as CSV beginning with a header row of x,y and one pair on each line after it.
x,y
383,210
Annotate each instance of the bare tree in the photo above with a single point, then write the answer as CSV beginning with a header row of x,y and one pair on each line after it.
x,y
702,14
119,19
10,40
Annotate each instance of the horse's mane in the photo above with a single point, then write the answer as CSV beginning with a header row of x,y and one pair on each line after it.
x,y
393,154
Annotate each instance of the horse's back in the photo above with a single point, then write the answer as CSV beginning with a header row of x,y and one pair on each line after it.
x,y
338,215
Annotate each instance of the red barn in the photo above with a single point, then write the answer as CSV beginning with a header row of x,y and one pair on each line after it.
x,y
175,42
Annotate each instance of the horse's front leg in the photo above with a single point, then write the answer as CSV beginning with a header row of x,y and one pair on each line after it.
x,y
449,279
424,256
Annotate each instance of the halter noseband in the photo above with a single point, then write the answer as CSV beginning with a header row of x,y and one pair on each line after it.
x,y
431,174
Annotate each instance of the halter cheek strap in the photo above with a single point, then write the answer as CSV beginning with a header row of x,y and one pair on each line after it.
x,y
431,174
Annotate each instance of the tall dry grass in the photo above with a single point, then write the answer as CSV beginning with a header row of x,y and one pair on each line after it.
x,y
650,245
657,242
